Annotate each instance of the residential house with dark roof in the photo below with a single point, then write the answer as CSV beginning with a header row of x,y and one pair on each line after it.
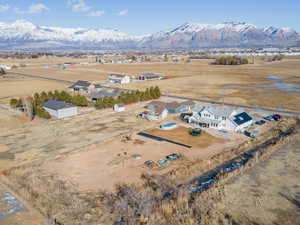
x,y
82,87
220,118
94,96
60,109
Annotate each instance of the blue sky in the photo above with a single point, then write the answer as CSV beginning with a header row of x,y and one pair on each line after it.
x,y
143,17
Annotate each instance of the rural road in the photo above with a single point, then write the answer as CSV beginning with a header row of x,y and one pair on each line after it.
x,y
254,108
41,77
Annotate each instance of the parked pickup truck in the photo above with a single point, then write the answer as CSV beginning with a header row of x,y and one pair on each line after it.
x,y
252,134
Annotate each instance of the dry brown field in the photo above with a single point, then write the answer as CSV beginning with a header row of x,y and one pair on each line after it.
x,y
17,86
269,193
198,79
88,150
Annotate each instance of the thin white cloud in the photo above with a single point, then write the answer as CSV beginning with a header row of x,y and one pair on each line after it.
x,y
4,8
32,9
123,12
79,6
97,13
37,8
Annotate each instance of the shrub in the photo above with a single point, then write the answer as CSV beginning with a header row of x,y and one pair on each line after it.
x,y
14,102
129,97
41,112
230,60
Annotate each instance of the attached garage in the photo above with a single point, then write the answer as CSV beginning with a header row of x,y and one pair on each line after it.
x,y
60,109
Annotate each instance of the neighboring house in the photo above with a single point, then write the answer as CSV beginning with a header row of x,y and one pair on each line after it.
x,y
66,64
220,118
94,96
157,114
119,79
172,107
60,109
119,107
242,121
5,67
82,87
149,76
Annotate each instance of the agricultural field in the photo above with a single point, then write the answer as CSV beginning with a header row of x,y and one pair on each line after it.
x,y
19,86
269,193
101,149
200,79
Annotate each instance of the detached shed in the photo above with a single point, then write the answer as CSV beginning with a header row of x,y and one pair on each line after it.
x,y
119,107
60,109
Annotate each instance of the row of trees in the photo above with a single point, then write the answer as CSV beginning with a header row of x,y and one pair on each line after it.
x,y
230,60
33,106
30,106
77,99
272,58
2,71
129,97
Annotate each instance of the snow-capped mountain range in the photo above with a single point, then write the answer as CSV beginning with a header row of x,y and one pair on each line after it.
x,y
22,34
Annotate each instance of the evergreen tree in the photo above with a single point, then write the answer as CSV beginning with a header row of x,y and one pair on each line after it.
x,y
157,92
56,95
44,97
14,102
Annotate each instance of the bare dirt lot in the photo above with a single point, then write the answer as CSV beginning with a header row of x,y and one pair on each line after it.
x,y
181,135
113,162
269,193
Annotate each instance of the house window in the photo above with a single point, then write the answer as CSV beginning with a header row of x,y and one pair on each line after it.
x,y
216,117
224,117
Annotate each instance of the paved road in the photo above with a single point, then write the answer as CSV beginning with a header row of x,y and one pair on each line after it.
x,y
254,108
41,77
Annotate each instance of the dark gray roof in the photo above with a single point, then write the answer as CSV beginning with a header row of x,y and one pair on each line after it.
x,y
114,75
105,93
242,118
150,75
56,105
80,83
99,86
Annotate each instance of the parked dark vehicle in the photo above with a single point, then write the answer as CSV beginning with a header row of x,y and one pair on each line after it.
x,y
252,134
260,122
269,118
184,116
276,117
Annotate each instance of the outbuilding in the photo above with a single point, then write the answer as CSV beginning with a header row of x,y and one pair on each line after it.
x,y
119,107
60,109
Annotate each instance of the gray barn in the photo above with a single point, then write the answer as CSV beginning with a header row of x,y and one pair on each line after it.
x,y
60,109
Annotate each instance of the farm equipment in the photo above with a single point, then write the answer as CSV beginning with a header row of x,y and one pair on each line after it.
x,y
173,156
151,164
163,162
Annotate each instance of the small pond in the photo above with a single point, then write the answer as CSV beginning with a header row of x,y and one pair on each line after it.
x,y
278,84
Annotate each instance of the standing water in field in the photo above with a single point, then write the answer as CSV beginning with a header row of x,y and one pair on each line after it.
x,y
279,84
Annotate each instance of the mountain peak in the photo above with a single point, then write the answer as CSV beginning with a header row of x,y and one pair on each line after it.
x,y
24,23
23,34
